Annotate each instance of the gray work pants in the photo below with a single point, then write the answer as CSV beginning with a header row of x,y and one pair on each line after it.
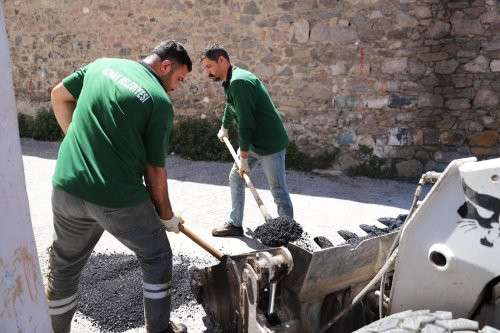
x,y
78,226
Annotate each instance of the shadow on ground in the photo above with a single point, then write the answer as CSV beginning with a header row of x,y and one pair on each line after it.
x,y
112,294
375,191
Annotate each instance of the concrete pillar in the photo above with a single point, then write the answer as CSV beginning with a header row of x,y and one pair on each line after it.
x,y
23,306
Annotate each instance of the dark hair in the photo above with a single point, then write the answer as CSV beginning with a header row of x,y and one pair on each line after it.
x,y
174,51
214,51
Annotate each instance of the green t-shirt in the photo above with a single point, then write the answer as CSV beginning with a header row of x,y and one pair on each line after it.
x,y
123,119
248,103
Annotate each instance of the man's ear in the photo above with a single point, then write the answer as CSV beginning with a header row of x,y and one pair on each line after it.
x,y
221,59
166,66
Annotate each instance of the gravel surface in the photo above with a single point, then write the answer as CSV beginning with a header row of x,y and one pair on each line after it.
x,y
111,289
199,191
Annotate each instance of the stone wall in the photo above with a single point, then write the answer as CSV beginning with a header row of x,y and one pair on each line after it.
x,y
417,80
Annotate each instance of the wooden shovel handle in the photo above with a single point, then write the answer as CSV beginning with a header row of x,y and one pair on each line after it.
x,y
248,181
195,238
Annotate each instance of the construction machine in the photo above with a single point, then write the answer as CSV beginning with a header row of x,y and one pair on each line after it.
x,y
443,262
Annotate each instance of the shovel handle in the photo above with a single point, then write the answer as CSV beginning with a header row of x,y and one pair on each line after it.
x,y
195,238
248,181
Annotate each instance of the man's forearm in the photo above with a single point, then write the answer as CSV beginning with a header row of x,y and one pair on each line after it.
x,y
156,183
63,113
63,105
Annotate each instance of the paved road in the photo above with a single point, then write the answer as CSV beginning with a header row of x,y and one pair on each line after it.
x,y
199,191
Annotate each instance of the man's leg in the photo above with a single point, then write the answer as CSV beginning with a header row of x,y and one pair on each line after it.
x,y
237,186
274,169
140,229
76,234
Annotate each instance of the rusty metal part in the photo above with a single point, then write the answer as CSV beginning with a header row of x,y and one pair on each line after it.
x,y
232,291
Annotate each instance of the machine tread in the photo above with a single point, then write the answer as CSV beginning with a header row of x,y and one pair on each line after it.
x,y
424,321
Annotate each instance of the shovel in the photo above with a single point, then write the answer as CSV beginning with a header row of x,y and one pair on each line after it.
x,y
249,183
195,238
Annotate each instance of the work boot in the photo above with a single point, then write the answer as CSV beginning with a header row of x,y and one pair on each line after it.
x,y
175,328
227,230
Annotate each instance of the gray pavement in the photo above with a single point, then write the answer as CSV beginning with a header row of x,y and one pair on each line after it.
x,y
199,191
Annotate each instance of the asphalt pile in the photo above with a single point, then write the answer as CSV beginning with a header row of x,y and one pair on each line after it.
x,y
112,294
278,232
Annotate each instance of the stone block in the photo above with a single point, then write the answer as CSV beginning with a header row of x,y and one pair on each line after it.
x,y
300,30
433,56
417,67
478,65
484,139
344,101
345,138
458,104
431,136
422,155
486,98
447,156
398,136
462,25
270,22
466,54
320,32
488,122
339,68
495,66
429,100
342,35
472,126
375,102
365,140
360,68
251,8
452,138
489,17
462,81
484,151
396,101
395,66
434,166
409,169
406,21
422,12
493,45
345,160
438,29
404,152
446,66
418,137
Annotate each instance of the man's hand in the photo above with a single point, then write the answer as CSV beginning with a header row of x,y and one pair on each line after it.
x,y
172,225
222,134
244,167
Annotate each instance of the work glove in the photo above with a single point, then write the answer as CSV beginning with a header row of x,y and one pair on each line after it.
x,y
222,134
172,225
244,168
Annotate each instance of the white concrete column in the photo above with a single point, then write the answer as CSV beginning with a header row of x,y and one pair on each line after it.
x,y
23,306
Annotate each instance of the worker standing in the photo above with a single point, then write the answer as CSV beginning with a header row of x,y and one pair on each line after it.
x,y
263,137
117,117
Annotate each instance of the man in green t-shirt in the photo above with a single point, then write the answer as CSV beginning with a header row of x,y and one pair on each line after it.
x,y
117,118
263,137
